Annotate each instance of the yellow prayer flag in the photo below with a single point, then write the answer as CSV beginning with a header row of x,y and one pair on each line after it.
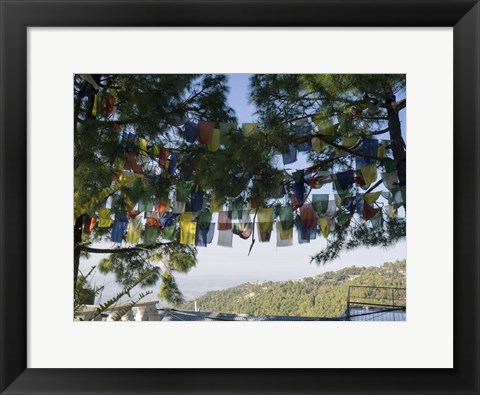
x,y
142,146
249,129
95,104
381,151
285,234
349,142
371,198
156,151
216,203
324,226
188,231
317,144
325,127
369,173
188,228
134,230
214,144
104,219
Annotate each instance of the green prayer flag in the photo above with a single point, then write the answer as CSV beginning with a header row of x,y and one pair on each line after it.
x,y
150,235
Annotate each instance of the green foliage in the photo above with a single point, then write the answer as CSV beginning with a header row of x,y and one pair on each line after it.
x,y
124,292
321,296
128,306
169,290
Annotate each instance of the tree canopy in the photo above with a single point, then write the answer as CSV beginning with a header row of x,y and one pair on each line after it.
x,y
156,156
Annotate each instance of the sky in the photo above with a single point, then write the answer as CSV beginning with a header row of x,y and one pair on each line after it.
x,y
223,267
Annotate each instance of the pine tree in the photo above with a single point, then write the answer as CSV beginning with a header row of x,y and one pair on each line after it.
x,y
342,112
108,111
129,129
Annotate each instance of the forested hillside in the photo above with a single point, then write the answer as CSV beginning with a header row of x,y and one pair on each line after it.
x,y
321,296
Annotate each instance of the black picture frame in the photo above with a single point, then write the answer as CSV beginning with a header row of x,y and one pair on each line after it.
x,y
18,15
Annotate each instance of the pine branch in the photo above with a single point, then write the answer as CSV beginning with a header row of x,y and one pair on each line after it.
x,y
138,247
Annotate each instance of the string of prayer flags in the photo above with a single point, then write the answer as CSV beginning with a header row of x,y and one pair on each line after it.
x,y
265,215
161,205
205,132
178,207
343,182
390,180
343,123
286,217
389,164
264,231
216,203
204,236
349,142
204,219
224,221
265,223
320,203
95,105
188,228
299,185
369,173
377,220
369,211
249,129
150,235
343,219
391,211
163,157
235,210
89,223
205,229
290,156
244,227
225,238
325,126
399,196
284,236
318,145
172,163
168,233
167,219
142,146
331,208
308,216
134,230
109,105
214,144
359,202
196,199
131,163
104,218
304,234
118,230
226,131
144,205
372,197
370,148
306,145
325,225
191,132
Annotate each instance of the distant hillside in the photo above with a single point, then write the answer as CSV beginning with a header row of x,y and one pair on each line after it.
x,y
321,296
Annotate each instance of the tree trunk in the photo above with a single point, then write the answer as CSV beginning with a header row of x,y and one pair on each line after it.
x,y
77,239
398,145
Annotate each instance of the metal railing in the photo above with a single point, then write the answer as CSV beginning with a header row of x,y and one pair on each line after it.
x,y
381,298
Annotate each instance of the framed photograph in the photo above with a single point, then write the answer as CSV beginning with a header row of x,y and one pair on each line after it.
x,y
179,130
